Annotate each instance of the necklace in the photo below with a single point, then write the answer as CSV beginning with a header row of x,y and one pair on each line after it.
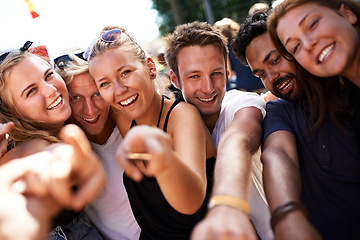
x,y
133,123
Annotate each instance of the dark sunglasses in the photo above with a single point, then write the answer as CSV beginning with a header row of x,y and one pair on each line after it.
x,y
108,37
23,49
60,62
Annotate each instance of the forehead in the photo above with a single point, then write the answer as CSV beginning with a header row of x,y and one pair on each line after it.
x,y
28,71
198,58
82,84
258,49
295,17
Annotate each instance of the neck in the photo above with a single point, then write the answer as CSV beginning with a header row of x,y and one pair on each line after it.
x,y
105,133
151,115
210,121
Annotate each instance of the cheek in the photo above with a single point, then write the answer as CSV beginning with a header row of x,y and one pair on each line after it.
x,y
107,95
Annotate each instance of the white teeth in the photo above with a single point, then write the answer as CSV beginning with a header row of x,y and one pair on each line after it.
x,y
55,103
326,52
284,85
206,99
128,101
90,119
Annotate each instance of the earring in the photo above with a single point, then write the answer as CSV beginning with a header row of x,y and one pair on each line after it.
x,y
153,75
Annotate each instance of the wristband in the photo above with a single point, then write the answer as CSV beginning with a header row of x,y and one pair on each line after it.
x,y
284,209
230,201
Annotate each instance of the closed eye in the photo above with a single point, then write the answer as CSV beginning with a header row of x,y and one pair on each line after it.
x,y
30,92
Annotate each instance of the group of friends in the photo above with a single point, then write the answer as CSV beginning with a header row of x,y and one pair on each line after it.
x,y
92,148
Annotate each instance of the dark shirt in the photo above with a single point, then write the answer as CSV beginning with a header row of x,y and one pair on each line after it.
x,y
329,164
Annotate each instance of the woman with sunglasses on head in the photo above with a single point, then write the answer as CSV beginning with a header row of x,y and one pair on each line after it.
x,y
165,178
35,99
322,35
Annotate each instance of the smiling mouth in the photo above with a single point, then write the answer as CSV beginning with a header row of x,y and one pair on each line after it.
x,y
55,104
91,120
129,101
206,99
326,52
284,85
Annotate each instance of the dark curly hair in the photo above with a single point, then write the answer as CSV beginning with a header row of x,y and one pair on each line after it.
x,y
252,27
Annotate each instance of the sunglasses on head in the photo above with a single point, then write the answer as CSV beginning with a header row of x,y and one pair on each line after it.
x,y
60,62
23,49
108,37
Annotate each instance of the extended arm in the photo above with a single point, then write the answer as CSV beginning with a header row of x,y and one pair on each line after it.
x,y
232,177
282,184
177,159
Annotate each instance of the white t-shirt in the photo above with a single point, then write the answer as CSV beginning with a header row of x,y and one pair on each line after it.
x,y
111,211
233,101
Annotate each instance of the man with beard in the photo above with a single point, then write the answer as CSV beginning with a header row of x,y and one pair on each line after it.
x,y
310,160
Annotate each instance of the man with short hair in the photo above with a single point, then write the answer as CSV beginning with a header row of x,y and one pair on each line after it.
x,y
197,55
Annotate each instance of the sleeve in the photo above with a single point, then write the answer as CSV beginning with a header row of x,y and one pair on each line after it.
x,y
278,117
240,99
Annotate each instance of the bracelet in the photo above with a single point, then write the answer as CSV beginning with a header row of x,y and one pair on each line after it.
x,y
284,209
230,201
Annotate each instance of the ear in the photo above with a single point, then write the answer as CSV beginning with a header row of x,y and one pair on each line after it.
x,y
174,79
152,67
347,13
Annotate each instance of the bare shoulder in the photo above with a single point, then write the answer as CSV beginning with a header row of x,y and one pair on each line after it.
x,y
184,109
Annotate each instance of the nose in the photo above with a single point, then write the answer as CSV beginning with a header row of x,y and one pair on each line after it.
x,y
207,85
48,89
120,88
309,43
272,76
89,107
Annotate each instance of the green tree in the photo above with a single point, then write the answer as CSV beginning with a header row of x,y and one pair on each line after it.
x,y
174,12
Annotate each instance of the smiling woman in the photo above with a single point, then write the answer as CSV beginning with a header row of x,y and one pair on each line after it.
x,y
323,35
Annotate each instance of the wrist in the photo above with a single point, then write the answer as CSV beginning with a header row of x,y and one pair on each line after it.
x,y
284,209
230,201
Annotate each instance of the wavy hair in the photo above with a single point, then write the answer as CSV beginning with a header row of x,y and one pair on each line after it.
x,y
24,128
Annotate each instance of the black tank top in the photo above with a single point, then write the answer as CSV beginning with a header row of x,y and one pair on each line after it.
x,y
155,216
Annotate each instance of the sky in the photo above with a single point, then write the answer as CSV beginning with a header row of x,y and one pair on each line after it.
x,y
68,24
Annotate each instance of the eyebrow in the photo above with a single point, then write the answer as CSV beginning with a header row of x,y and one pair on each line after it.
x,y
269,55
300,23
118,70
33,84
265,59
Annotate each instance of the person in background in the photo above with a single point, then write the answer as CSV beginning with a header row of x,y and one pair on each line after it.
x,y
310,143
258,7
240,75
110,212
197,54
165,178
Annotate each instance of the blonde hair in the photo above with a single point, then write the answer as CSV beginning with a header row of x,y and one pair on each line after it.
x,y
127,43
73,68
24,128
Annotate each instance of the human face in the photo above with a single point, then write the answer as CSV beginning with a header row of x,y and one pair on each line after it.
x,y
89,110
38,92
123,81
202,75
276,73
321,39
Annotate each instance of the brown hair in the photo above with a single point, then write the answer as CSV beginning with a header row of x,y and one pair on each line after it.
x,y
192,34
280,10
